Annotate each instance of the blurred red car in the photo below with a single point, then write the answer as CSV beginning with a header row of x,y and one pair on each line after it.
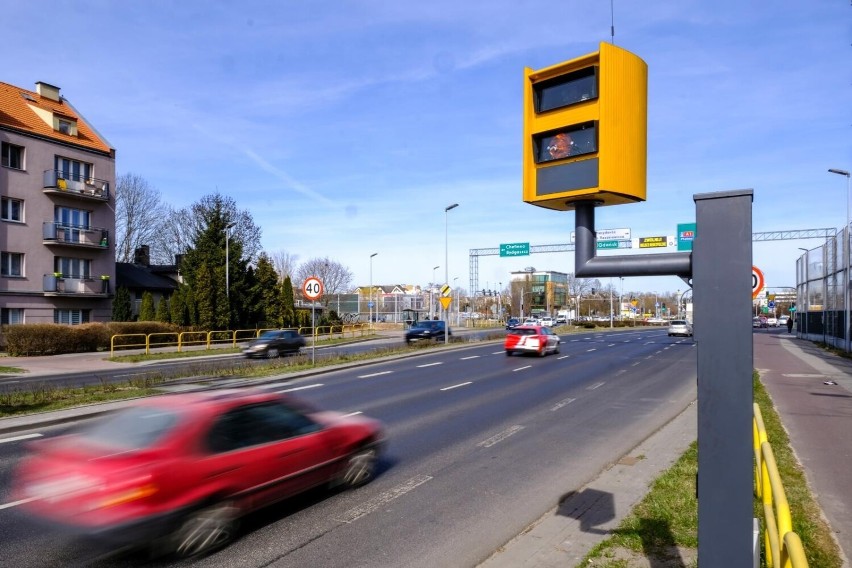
x,y
531,339
177,472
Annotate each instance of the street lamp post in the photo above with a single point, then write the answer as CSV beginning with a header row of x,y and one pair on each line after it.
x,y
447,267
370,293
457,299
846,251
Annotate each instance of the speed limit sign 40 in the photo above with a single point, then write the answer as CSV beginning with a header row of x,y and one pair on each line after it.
x,y
757,282
312,288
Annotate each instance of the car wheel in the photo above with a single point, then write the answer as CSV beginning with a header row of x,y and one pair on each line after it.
x,y
359,469
556,349
543,352
206,530
271,353
508,353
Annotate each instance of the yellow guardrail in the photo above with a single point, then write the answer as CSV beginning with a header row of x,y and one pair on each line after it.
x,y
783,546
210,338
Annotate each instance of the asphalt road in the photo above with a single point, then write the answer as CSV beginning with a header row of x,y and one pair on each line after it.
x,y
481,445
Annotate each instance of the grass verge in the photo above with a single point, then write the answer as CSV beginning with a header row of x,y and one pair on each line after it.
x,y
663,528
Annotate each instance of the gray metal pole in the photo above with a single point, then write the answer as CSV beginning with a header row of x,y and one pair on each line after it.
x,y
722,261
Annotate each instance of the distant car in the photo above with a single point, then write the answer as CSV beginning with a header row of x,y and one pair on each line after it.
x,y
547,321
175,473
680,327
427,329
759,322
530,321
273,343
512,322
655,321
536,339
771,322
782,321
561,318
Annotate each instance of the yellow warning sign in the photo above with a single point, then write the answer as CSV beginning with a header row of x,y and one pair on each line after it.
x,y
445,302
446,290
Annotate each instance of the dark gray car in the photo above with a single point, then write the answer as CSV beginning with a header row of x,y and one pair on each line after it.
x,y
426,329
273,343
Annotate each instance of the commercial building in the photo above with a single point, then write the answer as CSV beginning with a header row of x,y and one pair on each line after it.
x,y
57,216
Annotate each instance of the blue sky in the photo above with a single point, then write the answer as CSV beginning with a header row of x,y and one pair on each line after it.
x,y
346,127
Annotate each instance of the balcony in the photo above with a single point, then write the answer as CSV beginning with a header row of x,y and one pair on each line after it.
x,y
77,186
53,233
77,286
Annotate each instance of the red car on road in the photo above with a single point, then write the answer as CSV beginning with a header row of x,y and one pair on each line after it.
x,y
178,471
537,339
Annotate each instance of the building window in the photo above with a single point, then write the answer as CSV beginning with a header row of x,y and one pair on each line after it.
x,y
73,267
72,169
71,317
11,315
13,156
66,127
11,209
11,263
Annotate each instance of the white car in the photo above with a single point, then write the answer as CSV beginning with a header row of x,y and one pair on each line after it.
x,y
772,322
530,321
680,327
547,321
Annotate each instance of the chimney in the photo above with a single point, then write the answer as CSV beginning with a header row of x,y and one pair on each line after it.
x,y
48,91
142,256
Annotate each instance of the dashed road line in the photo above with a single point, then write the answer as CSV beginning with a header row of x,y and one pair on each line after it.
x,y
430,364
563,357
301,388
356,513
19,438
374,374
497,438
16,503
595,386
521,368
562,404
457,386
471,357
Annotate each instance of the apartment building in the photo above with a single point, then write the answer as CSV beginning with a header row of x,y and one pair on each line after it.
x,y
57,215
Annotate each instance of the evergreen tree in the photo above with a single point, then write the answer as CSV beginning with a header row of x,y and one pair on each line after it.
x,y
146,310
266,292
288,304
122,309
177,307
163,313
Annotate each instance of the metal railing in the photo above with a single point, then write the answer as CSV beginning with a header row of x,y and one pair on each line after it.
x,y
783,546
76,184
209,339
64,233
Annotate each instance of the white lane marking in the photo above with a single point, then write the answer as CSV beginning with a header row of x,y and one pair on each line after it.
x,y
429,365
16,503
301,388
658,352
634,364
594,386
563,357
521,368
498,352
457,386
563,403
611,345
471,357
573,340
383,498
649,356
374,374
497,438
17,438
356,413
622,371
592,349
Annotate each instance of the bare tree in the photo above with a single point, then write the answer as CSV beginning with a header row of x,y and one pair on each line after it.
x,y
336,278
179,228
284,263
138,212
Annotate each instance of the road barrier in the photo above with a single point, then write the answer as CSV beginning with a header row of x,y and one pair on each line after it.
x,y
209,339
783,546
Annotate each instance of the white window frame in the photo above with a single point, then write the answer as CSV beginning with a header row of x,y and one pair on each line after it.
x,y
71,316
9,268
6,156
11,316
9,206
73,267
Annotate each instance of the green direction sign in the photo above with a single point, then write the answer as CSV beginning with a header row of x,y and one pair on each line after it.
x,y
515,249
685,236
608,245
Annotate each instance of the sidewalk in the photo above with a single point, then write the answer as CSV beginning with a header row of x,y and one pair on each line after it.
x,y
812,392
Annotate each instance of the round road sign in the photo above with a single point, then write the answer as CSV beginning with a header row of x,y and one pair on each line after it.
x,y
757,282
312,288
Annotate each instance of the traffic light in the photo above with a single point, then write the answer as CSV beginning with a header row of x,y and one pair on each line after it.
x,y
585,130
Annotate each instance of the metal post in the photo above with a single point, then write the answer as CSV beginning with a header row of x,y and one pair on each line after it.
x,y
722,261
446,268
846,251
370,293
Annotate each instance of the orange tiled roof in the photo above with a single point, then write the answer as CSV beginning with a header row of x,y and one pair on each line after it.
x,y
16,113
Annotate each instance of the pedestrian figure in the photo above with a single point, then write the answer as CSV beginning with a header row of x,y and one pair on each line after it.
x,y
790,324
